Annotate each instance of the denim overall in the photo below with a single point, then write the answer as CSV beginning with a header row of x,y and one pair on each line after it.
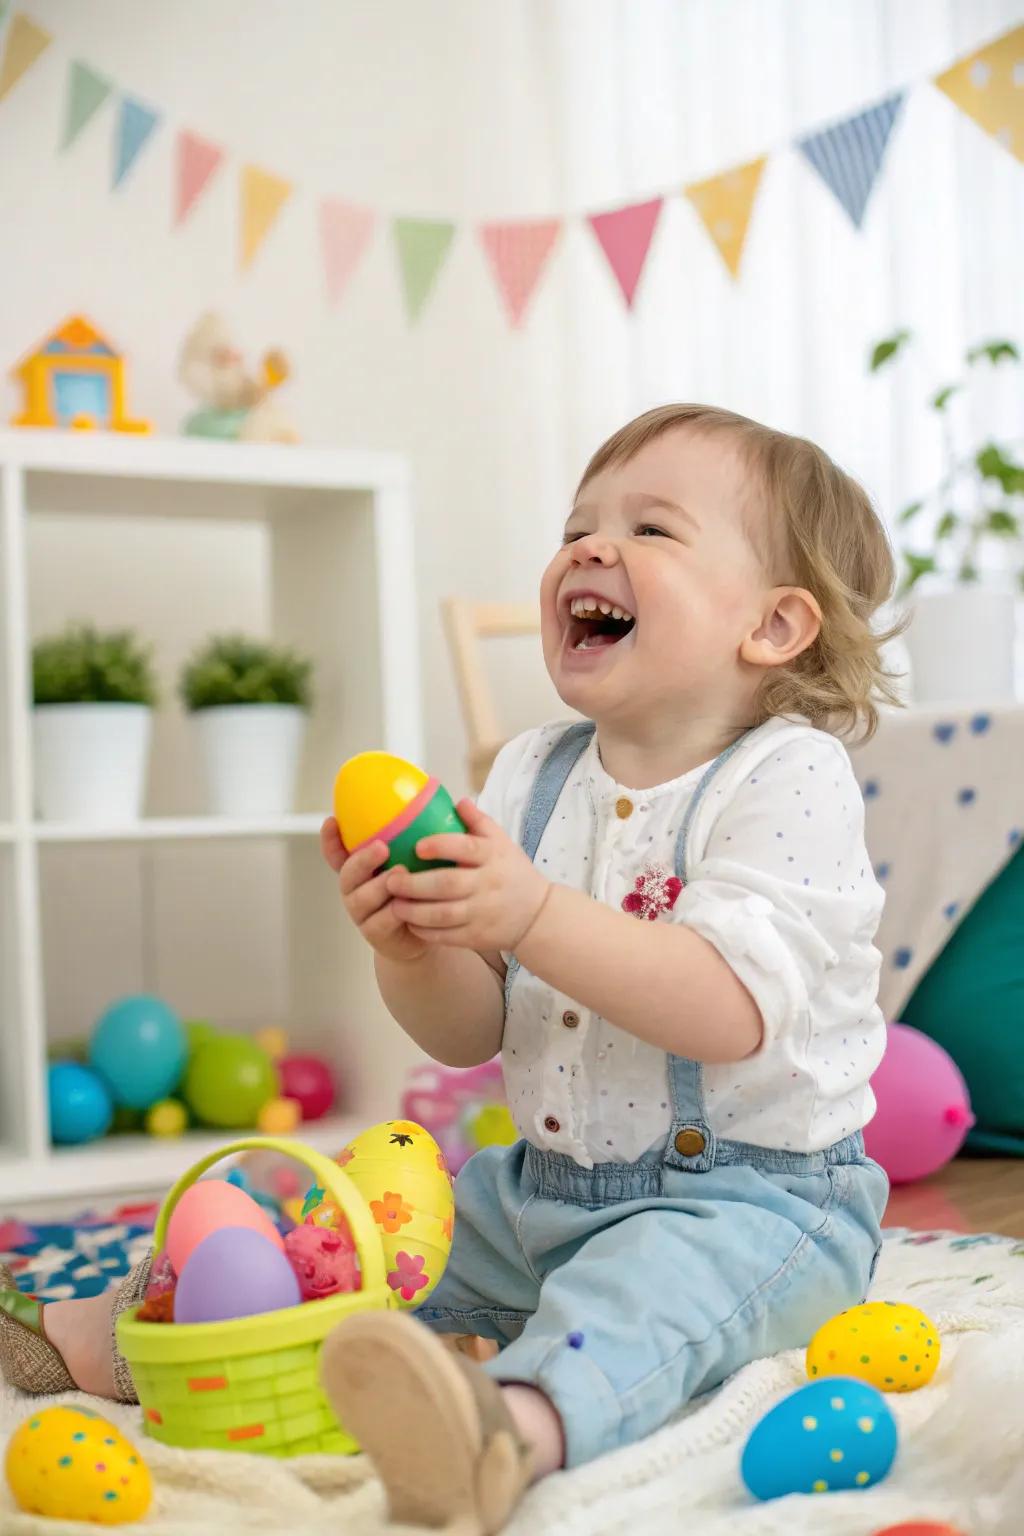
x,y
624,1290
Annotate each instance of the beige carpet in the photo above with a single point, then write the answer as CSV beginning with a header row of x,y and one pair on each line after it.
x,y
962,1443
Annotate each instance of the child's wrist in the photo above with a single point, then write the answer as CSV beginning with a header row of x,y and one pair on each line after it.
x,y
533,933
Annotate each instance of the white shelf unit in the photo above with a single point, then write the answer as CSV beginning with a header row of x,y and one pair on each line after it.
x,y
337,527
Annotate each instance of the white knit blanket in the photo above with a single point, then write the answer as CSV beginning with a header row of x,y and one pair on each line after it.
x,y
961,1456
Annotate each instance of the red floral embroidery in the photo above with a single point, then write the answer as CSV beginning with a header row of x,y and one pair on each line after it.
x,y
654,892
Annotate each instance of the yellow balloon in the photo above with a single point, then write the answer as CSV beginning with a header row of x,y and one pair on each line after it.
x,y
890,1344
69,1464
371,791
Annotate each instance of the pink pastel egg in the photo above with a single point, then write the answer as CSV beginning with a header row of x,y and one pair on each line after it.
x,y
208,1206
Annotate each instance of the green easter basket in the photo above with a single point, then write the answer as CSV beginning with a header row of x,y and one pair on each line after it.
x,y
253,1383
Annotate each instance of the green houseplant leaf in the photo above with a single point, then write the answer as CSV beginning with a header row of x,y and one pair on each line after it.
x,y
885,351
909,513
995,351
943,396
232,669
84,665
916,567
993,464
948,523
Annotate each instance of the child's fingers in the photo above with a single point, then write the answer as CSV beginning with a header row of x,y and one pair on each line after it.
x,y
430,884
367,899
361,866
454,848
431,914
382,925
331,845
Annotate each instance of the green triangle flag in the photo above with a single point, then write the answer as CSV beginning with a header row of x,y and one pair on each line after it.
x,y
87,91
422,247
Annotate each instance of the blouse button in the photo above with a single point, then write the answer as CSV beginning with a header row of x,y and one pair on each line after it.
x,y
690,1143
570,1019
551,1124
623,808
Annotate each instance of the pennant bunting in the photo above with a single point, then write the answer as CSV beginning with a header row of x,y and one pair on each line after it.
x,y
196,160
345,232
263,197
135,123
518,254
87,91
848,156
422,246
725,203
23,44
625,237
989,87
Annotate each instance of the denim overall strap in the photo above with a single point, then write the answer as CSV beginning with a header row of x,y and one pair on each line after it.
x,y
547,786
691,1142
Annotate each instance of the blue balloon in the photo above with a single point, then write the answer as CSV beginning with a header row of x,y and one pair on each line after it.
x,y
140,1048
80,1105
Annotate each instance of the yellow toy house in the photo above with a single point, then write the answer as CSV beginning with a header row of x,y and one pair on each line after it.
x,y
75,379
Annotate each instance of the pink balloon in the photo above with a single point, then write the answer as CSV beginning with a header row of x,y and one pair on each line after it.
x,y
207,1206
924,1110
308,1079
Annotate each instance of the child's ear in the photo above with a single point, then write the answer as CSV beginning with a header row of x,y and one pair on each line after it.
x,y
790,624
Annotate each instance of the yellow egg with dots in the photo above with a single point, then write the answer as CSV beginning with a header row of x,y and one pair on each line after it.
x,y
380,796
890,1344
70,1464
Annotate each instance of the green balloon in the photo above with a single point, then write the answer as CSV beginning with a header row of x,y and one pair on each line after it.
x,y
228,1081
198,1031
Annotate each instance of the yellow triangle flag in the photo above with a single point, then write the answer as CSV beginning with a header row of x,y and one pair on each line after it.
x,y
25,42
724,203
989,87
263,197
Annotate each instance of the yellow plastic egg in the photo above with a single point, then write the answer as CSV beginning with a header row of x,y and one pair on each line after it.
x,y
69,1464
888,1343
371,791
401,1172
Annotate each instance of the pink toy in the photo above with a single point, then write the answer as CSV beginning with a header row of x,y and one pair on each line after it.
x,y
162,1278
307,1079
324,1261
924,1111
443,1099
206,1207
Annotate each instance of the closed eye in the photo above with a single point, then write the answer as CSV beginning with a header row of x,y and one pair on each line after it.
x,y
572,538
651,531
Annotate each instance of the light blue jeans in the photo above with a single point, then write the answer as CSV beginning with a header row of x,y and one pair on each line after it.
x,y
624,1290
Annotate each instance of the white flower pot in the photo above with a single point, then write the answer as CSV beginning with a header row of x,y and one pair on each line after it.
x,y
91,761
961,645
250,755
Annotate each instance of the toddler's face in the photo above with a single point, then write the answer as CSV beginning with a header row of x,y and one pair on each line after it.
x,y
645,606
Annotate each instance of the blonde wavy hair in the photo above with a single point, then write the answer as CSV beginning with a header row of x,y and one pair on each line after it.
x,y
820,532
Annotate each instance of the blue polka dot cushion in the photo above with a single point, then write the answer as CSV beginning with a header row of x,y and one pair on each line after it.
x,y
971,1001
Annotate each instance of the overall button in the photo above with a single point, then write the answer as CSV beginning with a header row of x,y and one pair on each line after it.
x,y
551,1124
623,808
690,1143
570,1019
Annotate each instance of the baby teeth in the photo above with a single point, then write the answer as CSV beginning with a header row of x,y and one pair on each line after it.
x,y
592,607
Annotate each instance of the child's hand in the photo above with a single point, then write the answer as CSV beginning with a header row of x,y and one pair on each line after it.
x,y
487,903
366,897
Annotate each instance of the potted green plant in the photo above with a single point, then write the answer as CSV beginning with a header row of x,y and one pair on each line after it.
x,y
93,694
250,701
963,553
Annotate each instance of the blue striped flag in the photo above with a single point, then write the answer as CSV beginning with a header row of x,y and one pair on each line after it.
x,y
848,155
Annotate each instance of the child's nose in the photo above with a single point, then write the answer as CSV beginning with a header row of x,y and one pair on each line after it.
x,y
594,549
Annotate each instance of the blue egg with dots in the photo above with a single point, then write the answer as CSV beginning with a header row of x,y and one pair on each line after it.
x,y
830,1436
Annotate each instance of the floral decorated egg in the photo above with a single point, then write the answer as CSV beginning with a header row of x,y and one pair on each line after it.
x,y
401,1172
888,1343
69,1464
825,1437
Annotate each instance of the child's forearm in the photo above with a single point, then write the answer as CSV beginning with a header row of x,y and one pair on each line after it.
x,y
451,1002
659,981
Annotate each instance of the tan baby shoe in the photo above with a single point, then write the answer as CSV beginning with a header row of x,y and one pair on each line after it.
x,y
433,1423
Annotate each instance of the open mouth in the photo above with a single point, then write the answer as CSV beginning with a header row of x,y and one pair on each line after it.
x,y
595,624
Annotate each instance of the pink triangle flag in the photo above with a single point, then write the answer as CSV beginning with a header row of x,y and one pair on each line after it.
x,y
197,159
345,231
518,254
625,237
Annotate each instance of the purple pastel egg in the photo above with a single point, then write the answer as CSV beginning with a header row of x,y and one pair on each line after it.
x,y
235,1272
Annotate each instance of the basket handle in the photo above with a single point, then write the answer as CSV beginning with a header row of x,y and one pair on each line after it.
x,y
336,1182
